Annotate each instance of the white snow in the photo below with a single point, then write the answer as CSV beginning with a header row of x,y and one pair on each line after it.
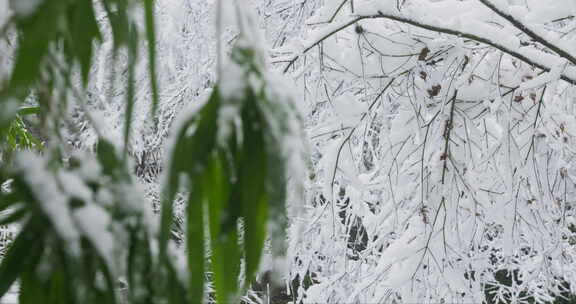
x,y
94,222
53,202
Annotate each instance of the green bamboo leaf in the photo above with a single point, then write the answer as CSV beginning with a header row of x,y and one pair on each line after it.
x,y
58,288
89,262
31,289
132,55
276,191
141,267
109,292
30,142
111,164
37,31
28,111
9,200
226,259
176,292
119,22
68,271
195,242
11,138
202,141
170,189
253,179
13,217
151,37
195,141
19,137
190,155
226,255
84,30
26,246
67,268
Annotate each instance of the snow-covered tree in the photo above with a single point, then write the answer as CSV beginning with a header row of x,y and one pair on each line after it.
x,y
442,137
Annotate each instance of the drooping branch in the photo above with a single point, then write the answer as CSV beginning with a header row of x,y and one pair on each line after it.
x,y
501,46
526,30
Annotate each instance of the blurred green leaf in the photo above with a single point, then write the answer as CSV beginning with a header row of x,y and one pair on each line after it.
x,y
31,289
231,168
151,40
84,30
191,153
26,245
112,165
195,243
28,111
226,256
133,53
13,216
253,179
36,33
119,21
9,199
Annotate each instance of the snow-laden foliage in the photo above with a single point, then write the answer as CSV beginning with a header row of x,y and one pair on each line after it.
x,y
232,153
84,231
442,136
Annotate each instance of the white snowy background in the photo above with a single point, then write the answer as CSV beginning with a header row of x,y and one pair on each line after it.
x,y
440,138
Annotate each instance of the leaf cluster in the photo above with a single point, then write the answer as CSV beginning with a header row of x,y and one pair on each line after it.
x,y
85,234
231,161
